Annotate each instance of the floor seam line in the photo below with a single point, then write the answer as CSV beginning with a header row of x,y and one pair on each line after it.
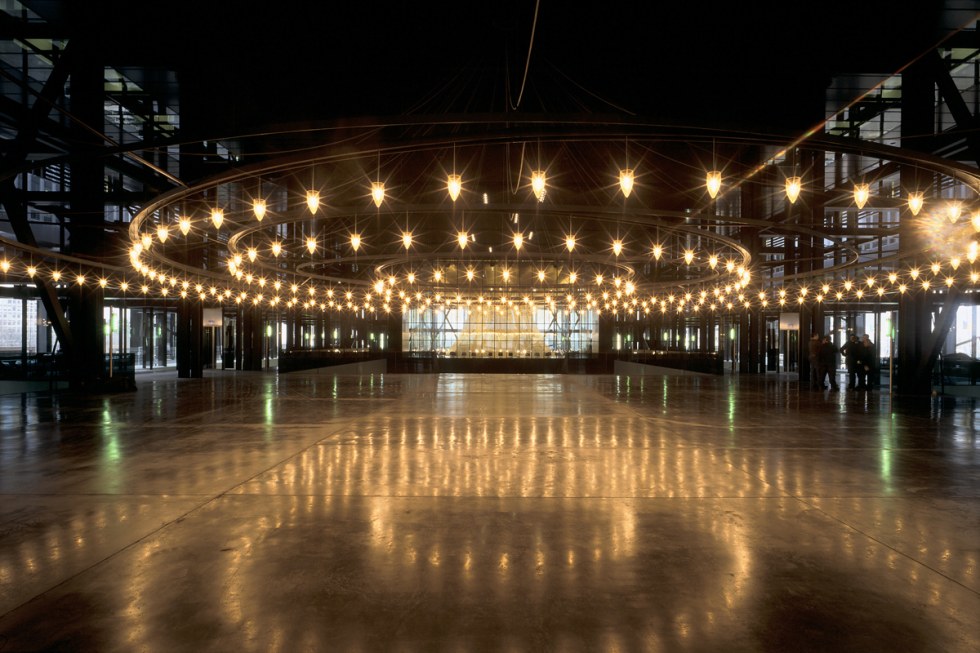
x,y
882,543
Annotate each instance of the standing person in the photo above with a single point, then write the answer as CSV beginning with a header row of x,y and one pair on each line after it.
x,y
851,350
813,355
827,357
869,364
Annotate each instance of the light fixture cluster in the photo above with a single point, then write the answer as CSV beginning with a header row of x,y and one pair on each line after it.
x,y
613,296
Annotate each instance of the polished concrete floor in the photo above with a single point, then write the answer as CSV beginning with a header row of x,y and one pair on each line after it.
x,y
246,512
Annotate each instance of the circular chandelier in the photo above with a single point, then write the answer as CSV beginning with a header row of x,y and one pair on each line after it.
x,y
583,215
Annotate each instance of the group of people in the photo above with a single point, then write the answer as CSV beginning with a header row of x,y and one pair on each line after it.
x,y
859,359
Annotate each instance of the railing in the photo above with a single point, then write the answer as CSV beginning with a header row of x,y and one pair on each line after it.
x,y
691,361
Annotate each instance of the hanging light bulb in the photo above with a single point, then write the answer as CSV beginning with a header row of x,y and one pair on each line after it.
x,y
713,261
617,247
147,241
570,242
861,194
311,244
217,217
462,238
258,208
971,252
518,241
953,211
184,224
915,202
454,184
541,275
688,256
538,184
437,276
470,273
713,182
163,232
313,200
276,248
793,187
407,239
506,274
626,181
355,241
252,254
658,251
31,271
378,193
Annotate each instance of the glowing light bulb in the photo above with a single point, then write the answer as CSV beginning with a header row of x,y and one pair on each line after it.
x,y
311,244
953,211
975,221
793,187
378,193
915,202
538,184
971,252
252,254
462,238
470,273
954,262
217,217
617,247
541,275
163,232
355,241
147,241
506,274
626,181
312,200
572,277
861,194
570,243
437,275
276,248
184,224
518,241
713,183
454,184
258,208
5,266
658,251
688,256
407,239
914,273
713,261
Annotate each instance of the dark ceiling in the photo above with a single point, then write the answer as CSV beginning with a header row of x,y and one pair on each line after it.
x,y
245,65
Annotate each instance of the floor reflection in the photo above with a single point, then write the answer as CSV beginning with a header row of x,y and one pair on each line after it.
x,y
487,512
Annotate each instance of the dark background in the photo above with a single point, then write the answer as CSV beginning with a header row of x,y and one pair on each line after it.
x,y
760,65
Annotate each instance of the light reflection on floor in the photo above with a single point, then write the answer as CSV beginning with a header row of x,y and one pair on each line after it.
x,y
487,512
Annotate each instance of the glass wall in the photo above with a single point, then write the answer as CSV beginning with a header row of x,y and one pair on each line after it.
x,y
13,325
489,330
